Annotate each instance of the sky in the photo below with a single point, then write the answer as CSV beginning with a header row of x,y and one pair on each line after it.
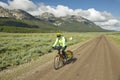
x,y
105,13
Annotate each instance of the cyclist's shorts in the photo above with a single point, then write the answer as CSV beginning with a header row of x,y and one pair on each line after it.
x,y
58,47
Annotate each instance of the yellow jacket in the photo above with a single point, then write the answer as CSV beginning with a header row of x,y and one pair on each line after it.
x,y
60,42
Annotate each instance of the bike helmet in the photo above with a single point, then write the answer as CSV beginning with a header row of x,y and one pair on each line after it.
x,y
59,34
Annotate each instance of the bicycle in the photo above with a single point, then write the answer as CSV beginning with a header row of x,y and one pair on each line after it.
x,y
59,60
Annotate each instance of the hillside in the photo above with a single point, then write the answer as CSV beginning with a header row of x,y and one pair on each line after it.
x,y
14,25
77,23
70,23
46,22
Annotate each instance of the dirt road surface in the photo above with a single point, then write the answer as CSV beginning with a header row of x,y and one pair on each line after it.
x,y
98,59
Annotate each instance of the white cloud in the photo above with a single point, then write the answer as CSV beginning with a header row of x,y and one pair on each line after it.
x,y
110,22
58,11
62,11
104,19
94,15
20,4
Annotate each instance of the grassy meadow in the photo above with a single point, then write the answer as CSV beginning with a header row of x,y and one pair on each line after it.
x,y
20,48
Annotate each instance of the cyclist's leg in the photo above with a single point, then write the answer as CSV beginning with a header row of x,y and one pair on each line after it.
x,y
63,51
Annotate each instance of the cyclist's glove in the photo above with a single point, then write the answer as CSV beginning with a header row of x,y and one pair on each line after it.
x,y
53,47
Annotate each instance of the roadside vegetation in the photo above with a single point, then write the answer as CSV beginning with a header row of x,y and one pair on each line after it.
x,y
115,37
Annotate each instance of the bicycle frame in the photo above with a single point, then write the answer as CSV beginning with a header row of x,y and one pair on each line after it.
x,y
59,53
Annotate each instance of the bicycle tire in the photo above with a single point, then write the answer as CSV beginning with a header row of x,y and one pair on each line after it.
x,y
58,62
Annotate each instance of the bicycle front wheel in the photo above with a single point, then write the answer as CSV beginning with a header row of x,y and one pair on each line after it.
x,y
58,62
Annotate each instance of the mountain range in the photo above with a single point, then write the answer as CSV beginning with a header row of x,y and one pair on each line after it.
x,y
20,21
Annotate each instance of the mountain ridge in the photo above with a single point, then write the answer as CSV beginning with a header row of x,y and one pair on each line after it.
x,y
47,21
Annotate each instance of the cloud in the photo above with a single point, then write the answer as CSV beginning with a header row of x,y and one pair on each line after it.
x,y
20,4
58,11
3,4
104,19
111,24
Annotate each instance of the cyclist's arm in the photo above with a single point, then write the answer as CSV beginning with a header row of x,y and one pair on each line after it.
x,y
55,42
63,41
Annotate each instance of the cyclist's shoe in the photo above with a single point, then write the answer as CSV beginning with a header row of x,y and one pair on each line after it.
x,y
64,61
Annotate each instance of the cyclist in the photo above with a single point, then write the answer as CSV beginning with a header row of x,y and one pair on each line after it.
x,y
61,44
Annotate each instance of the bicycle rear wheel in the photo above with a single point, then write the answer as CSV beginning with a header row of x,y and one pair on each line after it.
x,y
58,62
69,54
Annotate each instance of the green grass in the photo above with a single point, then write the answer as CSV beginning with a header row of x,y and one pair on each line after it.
x,y
115,37
20,48
12,29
